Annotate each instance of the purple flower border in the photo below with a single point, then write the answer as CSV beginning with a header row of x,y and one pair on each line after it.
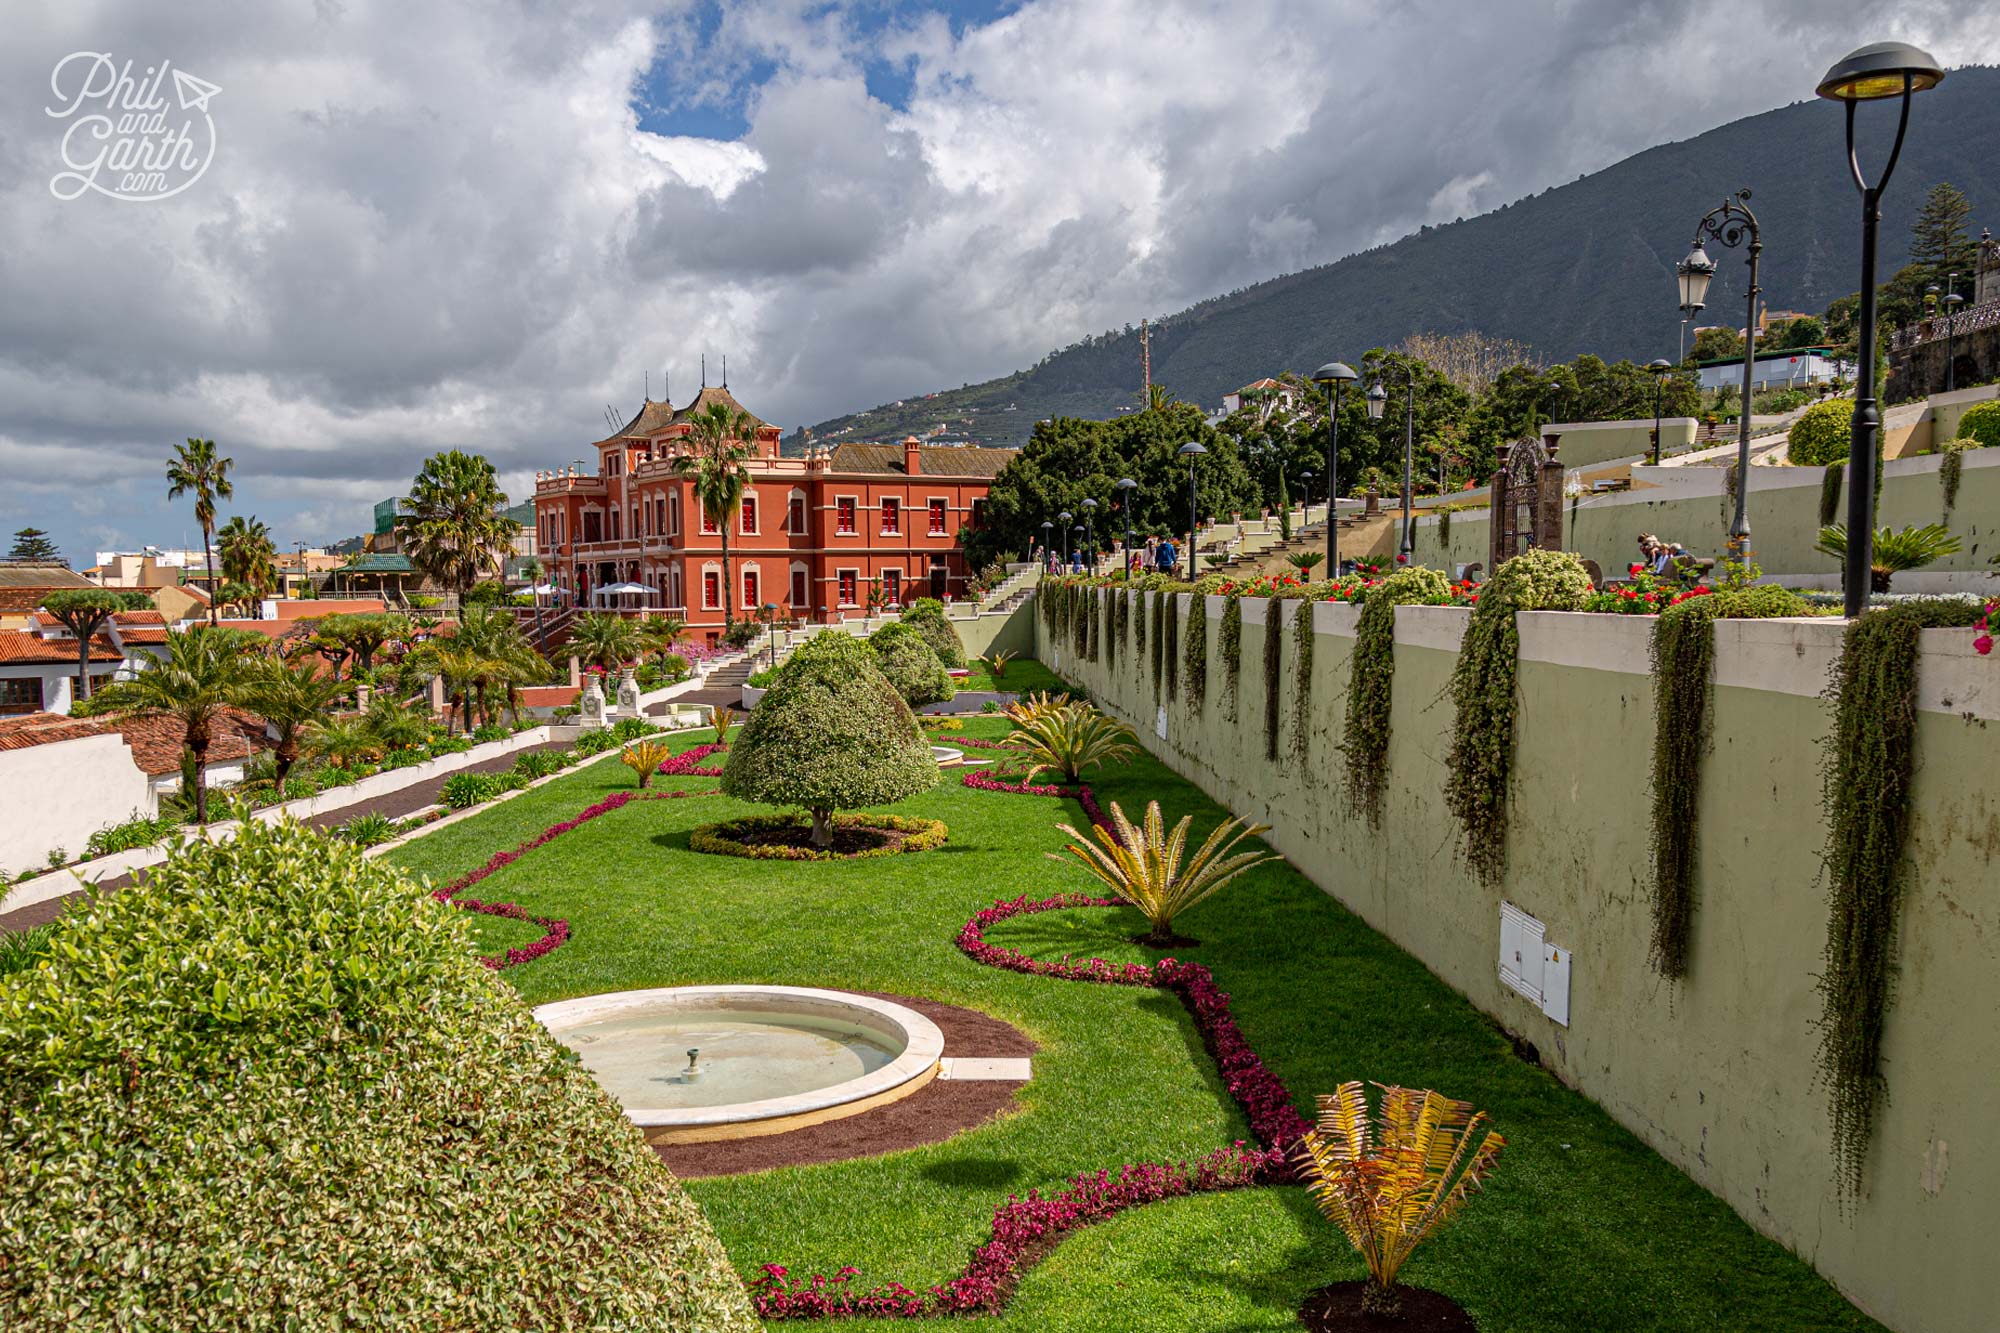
x,y
1023,1229
687,764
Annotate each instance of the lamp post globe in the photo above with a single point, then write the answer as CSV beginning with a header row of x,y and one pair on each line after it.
x,y
1333,377
1694,274
1125,488
1192,451
1872,73
1378,398
1307,477
1064,519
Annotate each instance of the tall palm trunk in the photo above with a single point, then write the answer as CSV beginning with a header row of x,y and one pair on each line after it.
x,y
197,744
208,569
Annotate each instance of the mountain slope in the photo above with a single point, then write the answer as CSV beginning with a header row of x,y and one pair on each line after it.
x,y
1584,267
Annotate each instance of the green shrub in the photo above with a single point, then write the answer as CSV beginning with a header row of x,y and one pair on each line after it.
x,y
367,829
674,668
462,791
271,1086
832,734
906,658
135,832
1981,422
22,949
491,731
631,729
538,763
761,679
595,742
926,616
1823,434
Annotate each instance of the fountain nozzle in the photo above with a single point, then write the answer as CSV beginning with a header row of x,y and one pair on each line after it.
x,y
693,1052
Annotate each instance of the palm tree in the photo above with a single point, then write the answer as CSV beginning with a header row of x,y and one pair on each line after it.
x,y
495,637
1894,552
344,741
722,438
1158,397
451,525
396,726
196,469
605,639
248,557
205,670
292,698
661,633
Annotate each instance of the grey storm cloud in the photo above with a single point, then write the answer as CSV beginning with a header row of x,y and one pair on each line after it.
x,y
440,225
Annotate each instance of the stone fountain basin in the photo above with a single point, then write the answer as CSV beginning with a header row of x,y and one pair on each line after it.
x,y
789,1056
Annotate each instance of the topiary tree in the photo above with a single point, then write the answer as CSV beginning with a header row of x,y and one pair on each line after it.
x,y
831,734
926,616
1981,423
906,658
1822,435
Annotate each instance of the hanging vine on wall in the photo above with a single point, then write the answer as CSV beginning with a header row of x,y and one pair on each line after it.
x,y
1170,636
1093,615
1683,657
1302,632
1122,601
1079,620
1482,693
1139,623
1865,792
1829,493
1159,640
1194,655
1370,681
1231,636
1112,597
1444,528
1274,626
1951,466
1730,481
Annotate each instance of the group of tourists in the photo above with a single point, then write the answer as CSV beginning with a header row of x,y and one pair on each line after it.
x,y
1159,555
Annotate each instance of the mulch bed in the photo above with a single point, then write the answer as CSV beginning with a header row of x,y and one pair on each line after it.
x,y
848,839
1337,1309
937,1111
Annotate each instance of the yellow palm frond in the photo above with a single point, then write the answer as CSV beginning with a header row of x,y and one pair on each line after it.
x,y
1142,865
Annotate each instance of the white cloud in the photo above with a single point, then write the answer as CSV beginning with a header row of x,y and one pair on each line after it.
x,y
441,225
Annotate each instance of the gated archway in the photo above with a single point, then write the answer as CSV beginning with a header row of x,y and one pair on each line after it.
x,y
1527,501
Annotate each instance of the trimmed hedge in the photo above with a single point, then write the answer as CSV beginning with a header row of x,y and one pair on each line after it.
x,y
1981,422
911,665
926,616
1822,435
724,839
270,1086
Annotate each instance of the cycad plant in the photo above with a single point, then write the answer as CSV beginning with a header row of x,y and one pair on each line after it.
x,y
344,742
644,759
661,634
1390,1185
997,663
1147,866
291,697
1305,561
605,639
1070,739
1894,552
1030,706
722,717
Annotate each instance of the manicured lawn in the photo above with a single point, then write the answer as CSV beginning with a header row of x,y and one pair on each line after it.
x,y
1024,676
1581,1227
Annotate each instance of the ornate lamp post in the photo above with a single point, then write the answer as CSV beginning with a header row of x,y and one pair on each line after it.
x,y
1307,477
1090,531
1731,223
1333,376
1378,402
1066,518
1660,369
1884,70
1192,451
1125,488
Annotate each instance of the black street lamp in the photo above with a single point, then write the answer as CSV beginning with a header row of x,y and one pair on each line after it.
x,y
1886,69
1732,224
1307,477
1660,368
1378,402
1333,376
1090,530
1192,451
1125,488
1066,518
1948,308
1048,540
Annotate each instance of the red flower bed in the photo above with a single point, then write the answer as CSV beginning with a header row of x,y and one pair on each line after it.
x,y
687,764
1023,1227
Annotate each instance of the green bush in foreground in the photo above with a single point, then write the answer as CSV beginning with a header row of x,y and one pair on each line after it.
x,y
907,659
270,1087
1822,435
926,616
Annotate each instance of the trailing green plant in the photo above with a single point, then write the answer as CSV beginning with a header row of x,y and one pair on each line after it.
x,y
1444,526
1951,467
1683,659
1079,620
1230,641
1170,638
1480,763
1139,601
1302,632
1159,640
1274,650
1829,492
1094,613
1865,792
1194,653
1371,681
1108,635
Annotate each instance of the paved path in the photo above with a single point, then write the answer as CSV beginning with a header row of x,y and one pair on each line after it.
x,y
395,805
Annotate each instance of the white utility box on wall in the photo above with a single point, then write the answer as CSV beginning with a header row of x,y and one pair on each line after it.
x,y
1531,966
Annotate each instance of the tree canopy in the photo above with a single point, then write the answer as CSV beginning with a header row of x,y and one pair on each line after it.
x,y
451,524
33,544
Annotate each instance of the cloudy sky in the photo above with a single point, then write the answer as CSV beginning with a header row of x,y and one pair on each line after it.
x,y
430,225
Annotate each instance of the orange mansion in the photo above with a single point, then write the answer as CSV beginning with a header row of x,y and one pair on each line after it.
x,y
816,534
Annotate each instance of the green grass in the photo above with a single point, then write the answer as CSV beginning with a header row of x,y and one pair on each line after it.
x,y
1024,676
1582,1226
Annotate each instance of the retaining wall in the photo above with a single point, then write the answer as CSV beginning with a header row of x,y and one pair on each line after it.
x,y
1718,1071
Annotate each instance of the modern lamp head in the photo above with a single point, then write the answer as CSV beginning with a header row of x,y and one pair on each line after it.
x,y
1192,449
1127,484
1065,516
1089,504
1334,373
1378,398
1660,367
1886,69
1694,273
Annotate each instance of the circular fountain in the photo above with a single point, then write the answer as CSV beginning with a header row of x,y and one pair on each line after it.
x,y
946,756
699,1063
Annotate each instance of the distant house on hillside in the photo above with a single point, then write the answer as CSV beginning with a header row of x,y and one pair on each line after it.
x,y
1780,368
1250,393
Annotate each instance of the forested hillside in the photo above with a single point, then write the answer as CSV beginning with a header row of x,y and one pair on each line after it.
x,y
1584,267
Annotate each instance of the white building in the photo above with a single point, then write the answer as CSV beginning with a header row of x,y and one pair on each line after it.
x,y
1778,369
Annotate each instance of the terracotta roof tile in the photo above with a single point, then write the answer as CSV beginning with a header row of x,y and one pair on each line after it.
x,y
45,575
935,461
138,618
19,646
143,634
157,741
31,729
